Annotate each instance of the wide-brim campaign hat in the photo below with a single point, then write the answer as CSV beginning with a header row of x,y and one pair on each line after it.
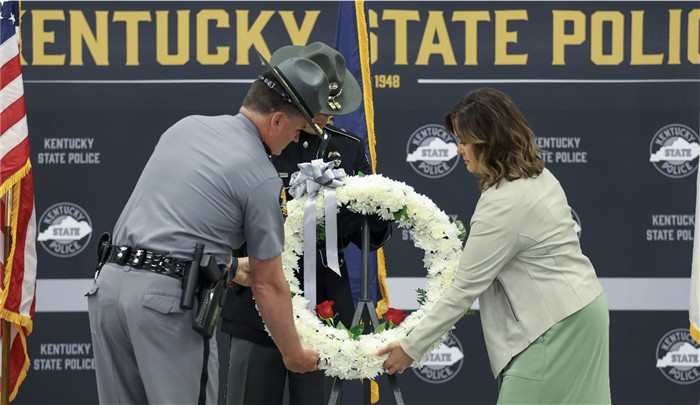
x,y
303,82
345,94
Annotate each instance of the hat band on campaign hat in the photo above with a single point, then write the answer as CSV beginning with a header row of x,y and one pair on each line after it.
x,y
272,85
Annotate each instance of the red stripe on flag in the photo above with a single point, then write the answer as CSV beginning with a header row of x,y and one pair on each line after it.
x,y
14,160
26,205
17,359
10,71
19,293
12,114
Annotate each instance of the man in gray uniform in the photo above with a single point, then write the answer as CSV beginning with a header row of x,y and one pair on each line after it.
x,y
209,181
254,360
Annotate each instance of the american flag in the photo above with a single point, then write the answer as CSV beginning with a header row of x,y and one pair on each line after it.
x,y
18,263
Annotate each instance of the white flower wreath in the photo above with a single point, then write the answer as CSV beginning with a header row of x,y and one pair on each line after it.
x,y
430,229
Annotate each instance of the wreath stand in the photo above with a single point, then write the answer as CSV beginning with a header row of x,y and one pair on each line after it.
x,y
365,311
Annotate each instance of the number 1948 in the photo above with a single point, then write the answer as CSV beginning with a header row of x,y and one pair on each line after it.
x,y
384,81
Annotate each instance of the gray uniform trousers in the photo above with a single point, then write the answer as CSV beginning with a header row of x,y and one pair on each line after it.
x,y
256,376
146,351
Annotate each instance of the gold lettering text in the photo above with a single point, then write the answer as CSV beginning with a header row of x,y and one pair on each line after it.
x,y
504,37
41,37
299,34
435,27
401,19
222,52
132,20
97,43
471,24
616,21
182,55
249,37
638,56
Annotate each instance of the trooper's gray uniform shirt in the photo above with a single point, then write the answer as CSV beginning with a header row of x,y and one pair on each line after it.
x,y
208,181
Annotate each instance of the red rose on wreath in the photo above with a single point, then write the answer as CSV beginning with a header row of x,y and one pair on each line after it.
x,y
324,311
394,316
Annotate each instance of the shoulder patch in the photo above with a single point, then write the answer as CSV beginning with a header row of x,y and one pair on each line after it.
x,y
335,131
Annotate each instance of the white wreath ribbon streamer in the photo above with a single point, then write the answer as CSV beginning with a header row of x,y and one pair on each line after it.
x,y
311,178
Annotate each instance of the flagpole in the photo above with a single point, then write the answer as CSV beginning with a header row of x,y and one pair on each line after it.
x,y
6,327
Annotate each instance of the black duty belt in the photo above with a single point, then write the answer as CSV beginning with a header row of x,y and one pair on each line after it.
x,y
147,260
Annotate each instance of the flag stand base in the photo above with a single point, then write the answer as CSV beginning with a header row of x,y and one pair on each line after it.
x,y
366,313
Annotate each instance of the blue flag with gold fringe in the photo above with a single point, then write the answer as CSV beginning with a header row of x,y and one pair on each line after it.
x,y
352,42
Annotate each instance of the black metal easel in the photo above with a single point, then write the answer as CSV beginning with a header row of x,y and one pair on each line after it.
x,y
365,312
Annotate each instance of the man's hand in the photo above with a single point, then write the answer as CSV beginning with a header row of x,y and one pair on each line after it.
x,y
305,361
397,361
242,273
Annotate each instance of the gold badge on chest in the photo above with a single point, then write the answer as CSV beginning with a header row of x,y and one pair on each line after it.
x,y
334,157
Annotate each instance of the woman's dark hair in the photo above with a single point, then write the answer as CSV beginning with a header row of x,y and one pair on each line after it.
x,y
503,141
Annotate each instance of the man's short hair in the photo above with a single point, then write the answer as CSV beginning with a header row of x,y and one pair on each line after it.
x,y
263,100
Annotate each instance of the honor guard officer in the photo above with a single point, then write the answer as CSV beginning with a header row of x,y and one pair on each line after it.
x,y
210,183
256,372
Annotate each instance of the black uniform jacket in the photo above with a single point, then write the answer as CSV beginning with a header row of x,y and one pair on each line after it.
x,y
240,317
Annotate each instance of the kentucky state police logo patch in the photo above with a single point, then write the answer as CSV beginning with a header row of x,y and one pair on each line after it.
x,y
674,151
443,363
678,357
431,151
65,229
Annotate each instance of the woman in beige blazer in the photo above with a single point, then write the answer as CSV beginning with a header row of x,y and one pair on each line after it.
x,y
544,315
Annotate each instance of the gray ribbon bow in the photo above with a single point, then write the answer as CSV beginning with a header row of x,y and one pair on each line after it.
x,y
311,178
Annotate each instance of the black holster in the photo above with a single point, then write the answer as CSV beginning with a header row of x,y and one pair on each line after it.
x,y
212,286
208,282
103,246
